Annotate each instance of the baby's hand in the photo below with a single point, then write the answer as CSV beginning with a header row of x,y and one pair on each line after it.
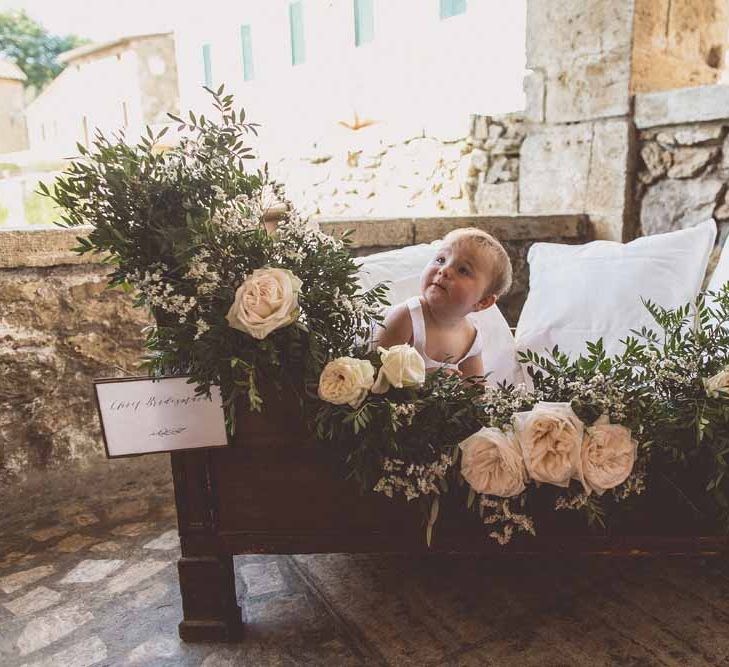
x,y
453,371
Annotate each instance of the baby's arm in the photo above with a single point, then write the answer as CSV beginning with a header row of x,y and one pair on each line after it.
x,y
471,366
397,327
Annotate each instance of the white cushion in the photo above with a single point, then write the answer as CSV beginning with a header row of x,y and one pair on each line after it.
x,y
402,267
721,273
584,292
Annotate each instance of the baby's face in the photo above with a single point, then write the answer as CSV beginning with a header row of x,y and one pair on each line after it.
x,y
455,280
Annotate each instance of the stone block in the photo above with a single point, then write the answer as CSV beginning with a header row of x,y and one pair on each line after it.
x,y
591,86
52,626
606,186
691,135
686,105
504,145
649,24
479,127
721,213
478,161
506,228
497,198
554,168
654,71
503,169
673,204
534,91
558,30
42,247
383,233
689,162
656,162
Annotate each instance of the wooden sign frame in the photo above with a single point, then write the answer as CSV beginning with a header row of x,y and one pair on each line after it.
x,y
208,427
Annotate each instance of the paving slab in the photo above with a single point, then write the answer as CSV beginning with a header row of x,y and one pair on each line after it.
x,y
115,600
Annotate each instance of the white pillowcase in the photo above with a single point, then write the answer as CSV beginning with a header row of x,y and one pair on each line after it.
x,y
403,268
579,293
721,272
720,276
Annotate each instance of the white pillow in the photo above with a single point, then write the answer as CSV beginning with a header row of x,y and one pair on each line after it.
x,y
581,293
720,277
403,268
721,272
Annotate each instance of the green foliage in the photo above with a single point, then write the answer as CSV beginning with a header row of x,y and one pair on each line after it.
x,y
685,418
185,227
31,47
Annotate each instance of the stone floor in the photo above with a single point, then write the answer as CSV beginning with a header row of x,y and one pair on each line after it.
x,y
88,577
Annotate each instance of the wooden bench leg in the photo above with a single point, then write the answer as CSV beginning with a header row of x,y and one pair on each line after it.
x,y
209,605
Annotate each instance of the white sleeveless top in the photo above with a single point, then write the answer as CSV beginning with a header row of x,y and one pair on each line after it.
x,y
416,315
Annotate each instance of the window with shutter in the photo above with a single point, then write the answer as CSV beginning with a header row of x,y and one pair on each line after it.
x,y
450,8
364,22
246,52
296,22
207,65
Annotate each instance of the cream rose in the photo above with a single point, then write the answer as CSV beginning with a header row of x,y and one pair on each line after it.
x,y
492,463
550,437
346,380
718,385
267,300
402,366
608,455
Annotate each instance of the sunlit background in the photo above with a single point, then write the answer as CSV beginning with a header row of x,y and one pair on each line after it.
x,y
323,77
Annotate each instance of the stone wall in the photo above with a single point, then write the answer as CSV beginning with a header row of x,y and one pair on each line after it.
x,y
362,174
60,327
678,43
578,154
684,164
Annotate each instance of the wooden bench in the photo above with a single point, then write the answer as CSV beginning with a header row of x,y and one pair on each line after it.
x,y
276,491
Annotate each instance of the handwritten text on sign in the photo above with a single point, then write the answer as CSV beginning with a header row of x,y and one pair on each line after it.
x,y
141,416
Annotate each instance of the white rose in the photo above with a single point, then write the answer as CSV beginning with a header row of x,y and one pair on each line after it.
x,y
550,436
608,455
267,300
346,380
492,463
718,385
402,366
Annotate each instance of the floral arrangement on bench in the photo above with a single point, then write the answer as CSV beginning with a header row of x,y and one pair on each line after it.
x,y
244,304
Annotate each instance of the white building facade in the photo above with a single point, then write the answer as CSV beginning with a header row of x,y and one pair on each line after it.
x,y
125,84
303,68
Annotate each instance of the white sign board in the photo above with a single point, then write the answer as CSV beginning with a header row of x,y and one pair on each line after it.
x,y
146,415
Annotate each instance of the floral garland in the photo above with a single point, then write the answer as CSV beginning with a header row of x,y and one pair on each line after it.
x,y
595,431
238,304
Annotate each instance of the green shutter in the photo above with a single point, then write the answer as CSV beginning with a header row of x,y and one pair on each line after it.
x,y
296,22
207,65
450,8
246,52
364,22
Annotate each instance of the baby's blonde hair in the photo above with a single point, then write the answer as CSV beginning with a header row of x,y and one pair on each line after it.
x,y
490,248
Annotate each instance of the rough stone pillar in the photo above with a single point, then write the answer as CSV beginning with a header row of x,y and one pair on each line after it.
x,y
579,156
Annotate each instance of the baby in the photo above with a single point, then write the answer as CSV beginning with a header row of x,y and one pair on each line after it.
x,y
469,272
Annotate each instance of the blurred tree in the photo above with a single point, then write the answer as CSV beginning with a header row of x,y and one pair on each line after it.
x,y
31,47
